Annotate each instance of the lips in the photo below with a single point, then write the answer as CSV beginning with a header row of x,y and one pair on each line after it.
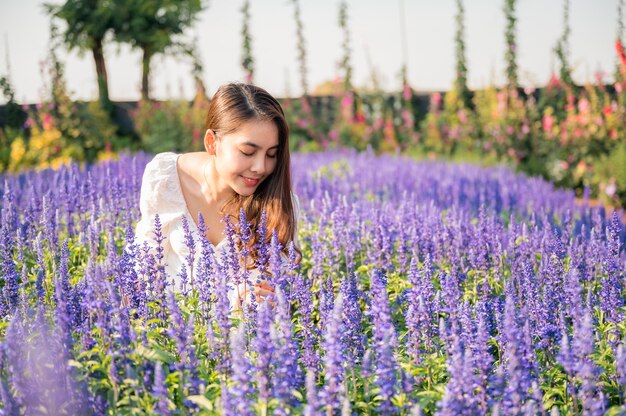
x,y
251,181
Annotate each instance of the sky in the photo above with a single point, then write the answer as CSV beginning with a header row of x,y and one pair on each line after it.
x,y
377,29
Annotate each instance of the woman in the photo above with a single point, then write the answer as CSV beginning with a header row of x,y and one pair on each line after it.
x,y
246,166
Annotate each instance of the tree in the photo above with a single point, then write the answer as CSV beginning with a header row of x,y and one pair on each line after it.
x,y
87,24
511,45
562,48
345,64
154,27
247,60
460,83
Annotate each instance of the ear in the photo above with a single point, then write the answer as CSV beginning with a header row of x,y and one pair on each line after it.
x,y
209,141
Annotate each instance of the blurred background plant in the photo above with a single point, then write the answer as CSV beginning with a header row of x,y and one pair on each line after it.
x,y
572,135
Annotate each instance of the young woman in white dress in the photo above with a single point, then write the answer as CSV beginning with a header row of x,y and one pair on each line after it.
x,y
246,165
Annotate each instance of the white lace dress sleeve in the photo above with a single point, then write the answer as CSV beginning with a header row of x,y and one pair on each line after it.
x,y
160,195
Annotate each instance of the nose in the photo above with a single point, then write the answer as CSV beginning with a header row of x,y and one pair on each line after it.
x,y
258,165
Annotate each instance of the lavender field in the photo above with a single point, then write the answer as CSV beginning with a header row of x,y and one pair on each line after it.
x,y
424,288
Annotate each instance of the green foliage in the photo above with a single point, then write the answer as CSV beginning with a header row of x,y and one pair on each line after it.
x,y
170,125
346,66
510,55
87,24
610,176
247,60
154,27
14,117
301,45
562,48
460,82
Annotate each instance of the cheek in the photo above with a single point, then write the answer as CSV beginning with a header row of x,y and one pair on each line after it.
x,y
271,167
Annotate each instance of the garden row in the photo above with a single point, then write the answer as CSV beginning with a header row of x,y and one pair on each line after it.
x,y
424,288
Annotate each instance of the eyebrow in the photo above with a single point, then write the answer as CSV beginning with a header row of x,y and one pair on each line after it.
x,y
256,146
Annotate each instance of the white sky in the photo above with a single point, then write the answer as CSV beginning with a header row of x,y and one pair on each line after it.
x,y
375,28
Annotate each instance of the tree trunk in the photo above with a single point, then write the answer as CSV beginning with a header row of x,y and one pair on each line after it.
x,y
101,72
145,76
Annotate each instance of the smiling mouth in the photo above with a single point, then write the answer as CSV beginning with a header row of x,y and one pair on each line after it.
x,y
251,181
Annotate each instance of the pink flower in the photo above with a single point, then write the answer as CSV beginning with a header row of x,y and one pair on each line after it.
x,y
435,100
47,121
578,133
619,48
346,100
407,118
509,130
333,135
599,75
548,123
525,129
195,134
462,116
407,93
611,188
584,106
554,82
570,102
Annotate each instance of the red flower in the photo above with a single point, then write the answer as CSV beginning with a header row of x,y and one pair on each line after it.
x,y
620,52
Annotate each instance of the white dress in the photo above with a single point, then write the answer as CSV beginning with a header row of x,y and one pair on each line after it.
x,y
161,194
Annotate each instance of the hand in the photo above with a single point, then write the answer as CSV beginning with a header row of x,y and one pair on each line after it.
x,y
261,289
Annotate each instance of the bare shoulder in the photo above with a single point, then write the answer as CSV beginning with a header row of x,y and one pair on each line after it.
x,y
189,164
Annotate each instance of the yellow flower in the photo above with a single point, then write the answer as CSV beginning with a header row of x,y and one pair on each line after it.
x,y
18,150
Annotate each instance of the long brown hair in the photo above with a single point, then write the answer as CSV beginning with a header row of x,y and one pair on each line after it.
x,y
233,105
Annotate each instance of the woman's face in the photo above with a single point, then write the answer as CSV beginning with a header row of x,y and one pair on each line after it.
x,y
247,156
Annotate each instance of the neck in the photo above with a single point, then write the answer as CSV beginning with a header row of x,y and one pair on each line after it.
x,y
213,189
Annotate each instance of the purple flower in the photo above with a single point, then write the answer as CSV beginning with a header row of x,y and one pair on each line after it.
x,y
311,407
261,247
611,287
454,401
191,246
276,262
183,335
515,356
264,349
385,342
159,390
241,390
332,391
352,336
304,310
207,268
9,273
620,364
287,374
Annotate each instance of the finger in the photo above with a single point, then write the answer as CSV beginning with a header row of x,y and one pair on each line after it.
x,y
261,292
264,284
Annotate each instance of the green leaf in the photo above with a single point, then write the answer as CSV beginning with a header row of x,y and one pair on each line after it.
x,y
155,354
202,401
